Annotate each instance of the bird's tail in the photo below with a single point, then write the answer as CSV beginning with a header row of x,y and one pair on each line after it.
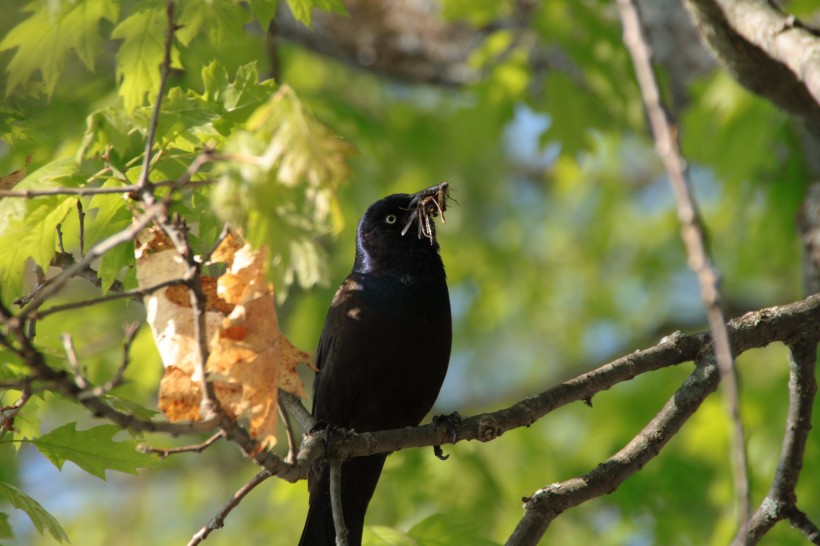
x,y
359,478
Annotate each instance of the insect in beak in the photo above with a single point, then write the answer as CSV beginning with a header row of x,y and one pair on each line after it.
x,y
426,204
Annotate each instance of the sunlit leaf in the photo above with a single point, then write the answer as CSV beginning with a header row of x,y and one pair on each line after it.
x,y
27,422
217,20
44,40
302,9
140,54
94,450
282,185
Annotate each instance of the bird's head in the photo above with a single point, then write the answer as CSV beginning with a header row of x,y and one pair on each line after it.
x,y
399,231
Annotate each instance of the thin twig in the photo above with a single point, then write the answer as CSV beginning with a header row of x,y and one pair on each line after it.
x,y
9,413
164,453
81,219
74,362
64,260
203,157
178,234
218,521
802,523
136,295
95,252
60,245
145,189
40,282
226,230
692,233
86,191
101,390
336,502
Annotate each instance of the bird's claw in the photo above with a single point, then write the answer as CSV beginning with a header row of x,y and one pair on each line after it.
x,y
451,421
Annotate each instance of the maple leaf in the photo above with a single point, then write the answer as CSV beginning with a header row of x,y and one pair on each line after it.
x,y
250,358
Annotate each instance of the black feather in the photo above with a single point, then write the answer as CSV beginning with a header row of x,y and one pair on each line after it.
x,y
383,352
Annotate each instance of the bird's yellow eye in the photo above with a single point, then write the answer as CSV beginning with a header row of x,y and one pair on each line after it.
x,y
390,218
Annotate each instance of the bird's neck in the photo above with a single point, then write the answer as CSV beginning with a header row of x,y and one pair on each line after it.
x,y
405,267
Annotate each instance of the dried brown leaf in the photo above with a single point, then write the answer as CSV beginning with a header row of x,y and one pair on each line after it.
x,y
250,358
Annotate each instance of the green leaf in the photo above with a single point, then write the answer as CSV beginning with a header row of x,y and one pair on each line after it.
x,y
44,40
59,173
264,11
5,528
106,214
302,8
112,262
26,422
140,54
378,535
575,113
241,94
283,189
445,530
218,20
93,450
190,120
108,131
41,519
28,229
128,406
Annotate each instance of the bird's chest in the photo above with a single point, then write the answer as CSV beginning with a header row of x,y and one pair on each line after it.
x,y
388,348
395,310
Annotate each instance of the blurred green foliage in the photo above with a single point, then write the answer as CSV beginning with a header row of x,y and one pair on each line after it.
x,y
562,252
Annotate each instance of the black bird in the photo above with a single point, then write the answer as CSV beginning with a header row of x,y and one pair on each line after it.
x,y
384,349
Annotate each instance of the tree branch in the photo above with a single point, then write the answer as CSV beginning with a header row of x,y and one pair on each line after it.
x,y
143,183
164,453
786,323
692,233
218,521
548,503
801,522
767,51
781,499
336,502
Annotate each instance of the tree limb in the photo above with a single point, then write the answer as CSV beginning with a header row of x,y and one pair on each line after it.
x,y
694,239
782,499
218,521
548,503
765,50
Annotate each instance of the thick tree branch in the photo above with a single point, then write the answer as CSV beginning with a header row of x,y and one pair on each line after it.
x,y
808,223
765,50
377,38
548,503
787,324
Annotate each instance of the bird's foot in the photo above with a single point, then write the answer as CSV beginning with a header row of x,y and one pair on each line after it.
x,y
318,426
451,421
